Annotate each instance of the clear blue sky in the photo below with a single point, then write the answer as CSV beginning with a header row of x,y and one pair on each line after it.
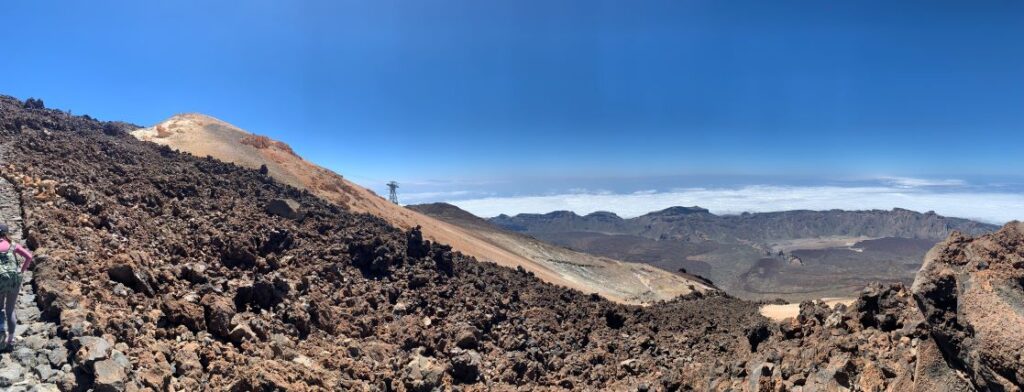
x,y
469,91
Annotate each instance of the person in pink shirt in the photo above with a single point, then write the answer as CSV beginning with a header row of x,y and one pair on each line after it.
x,y
10,278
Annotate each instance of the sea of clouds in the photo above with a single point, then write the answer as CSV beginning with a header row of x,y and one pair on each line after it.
x,y
945,198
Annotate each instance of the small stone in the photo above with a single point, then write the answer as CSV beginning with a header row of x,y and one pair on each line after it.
x,y
34,342
630,365
466,366
58,356
241,333
11,374
184,313
44,388
467,337
109,375
422,373
218,312
401,308
24,355
66,380
126,272
91,349
120,290
121,359
44,371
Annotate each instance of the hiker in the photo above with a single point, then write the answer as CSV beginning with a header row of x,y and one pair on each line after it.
x,y
10,279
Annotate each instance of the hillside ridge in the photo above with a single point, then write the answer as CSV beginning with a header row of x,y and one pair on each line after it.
x,y
203,135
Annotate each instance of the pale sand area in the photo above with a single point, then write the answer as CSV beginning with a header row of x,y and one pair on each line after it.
x,y
818,243
782,312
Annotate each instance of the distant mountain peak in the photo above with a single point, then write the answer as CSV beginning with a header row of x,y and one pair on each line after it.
x,y
679,210
561,214
602,215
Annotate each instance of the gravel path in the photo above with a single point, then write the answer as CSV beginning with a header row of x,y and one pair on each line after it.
x,y
38,361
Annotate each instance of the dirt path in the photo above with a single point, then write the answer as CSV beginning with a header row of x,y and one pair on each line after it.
x,y
38,361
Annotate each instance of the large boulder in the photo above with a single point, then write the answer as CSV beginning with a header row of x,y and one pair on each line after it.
x,y
971,292
179,312
109,376
218,311
129,269
286,208
91,348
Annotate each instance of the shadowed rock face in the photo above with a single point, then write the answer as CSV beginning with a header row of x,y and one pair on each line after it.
x,y
971,292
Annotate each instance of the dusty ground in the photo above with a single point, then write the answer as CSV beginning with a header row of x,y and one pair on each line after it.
x,y
620,281
790,245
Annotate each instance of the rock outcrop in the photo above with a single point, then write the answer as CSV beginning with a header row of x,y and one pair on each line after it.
x,y
971,293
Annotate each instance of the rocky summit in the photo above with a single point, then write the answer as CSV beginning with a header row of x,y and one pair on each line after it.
x,y
163,271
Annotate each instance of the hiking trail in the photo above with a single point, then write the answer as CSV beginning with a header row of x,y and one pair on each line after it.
x,y
39,358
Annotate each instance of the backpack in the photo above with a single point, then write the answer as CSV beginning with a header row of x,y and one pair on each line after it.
x,y
10,271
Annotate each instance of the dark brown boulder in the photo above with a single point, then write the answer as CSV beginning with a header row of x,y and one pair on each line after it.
x,y
286,208
218,312
129,270
178,312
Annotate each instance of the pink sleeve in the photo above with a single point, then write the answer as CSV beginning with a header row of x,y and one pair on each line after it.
x,y
24,254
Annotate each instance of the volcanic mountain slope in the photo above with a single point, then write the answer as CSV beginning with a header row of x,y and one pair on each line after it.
x,y
625,282
795,255
566,262
166,272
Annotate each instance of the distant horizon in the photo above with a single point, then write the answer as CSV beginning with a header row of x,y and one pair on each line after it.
x,y
991,208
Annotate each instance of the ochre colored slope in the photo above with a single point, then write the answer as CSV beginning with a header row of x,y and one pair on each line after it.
x,y
202,135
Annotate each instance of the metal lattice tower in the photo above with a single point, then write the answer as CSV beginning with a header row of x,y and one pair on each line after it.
x,y
393,186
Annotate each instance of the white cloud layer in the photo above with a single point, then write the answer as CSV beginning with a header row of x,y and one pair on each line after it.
x,y
992,207
909,182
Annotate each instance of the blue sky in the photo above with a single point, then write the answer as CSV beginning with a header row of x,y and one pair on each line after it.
x,y
468,99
